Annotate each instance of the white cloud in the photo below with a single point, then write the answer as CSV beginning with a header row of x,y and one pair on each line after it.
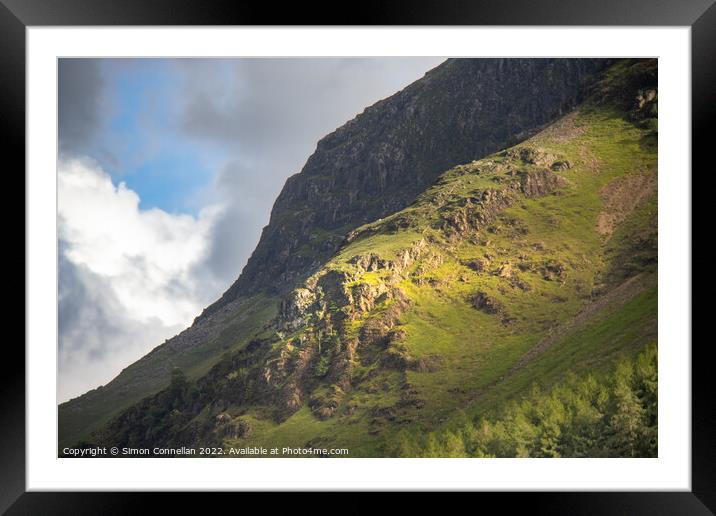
x,y
128,277
266,116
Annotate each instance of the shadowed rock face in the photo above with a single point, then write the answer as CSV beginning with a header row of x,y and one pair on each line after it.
x,y
341,336
381,160
374,165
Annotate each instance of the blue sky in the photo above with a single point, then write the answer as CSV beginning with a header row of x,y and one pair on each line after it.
x,y
143,136
140,143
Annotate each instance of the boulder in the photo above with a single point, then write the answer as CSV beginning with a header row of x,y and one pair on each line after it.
x,y
505,270
477,265
552,270
561,165
486,303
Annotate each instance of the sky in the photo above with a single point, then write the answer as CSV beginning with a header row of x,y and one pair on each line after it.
x,y
167,172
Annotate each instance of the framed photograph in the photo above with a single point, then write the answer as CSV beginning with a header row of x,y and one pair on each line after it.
x,y
443,249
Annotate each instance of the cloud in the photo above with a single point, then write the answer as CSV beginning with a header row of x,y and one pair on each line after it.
x,y
127,277
268,115
243,194
80,102
224,134
98,336
259,105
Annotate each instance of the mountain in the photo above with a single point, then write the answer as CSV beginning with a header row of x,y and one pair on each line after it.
x,y
488,228
379,162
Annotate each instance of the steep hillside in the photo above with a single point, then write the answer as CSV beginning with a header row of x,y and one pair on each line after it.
x,y
521,268
379,162
371,167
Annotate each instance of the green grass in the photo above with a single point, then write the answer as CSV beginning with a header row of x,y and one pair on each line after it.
x,y
467,362
476,349
151,374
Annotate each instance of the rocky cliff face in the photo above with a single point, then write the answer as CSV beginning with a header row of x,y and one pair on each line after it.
x,y
339,327
377,163
343,327
359,325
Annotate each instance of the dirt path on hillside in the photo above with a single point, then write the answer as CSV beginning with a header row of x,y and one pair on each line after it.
x,y
619,296
621,197
616,297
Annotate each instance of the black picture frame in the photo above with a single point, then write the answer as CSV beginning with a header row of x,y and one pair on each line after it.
x,y
17,15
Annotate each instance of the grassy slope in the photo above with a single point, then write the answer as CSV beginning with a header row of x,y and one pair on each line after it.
x,y
478,351
151,374
579,295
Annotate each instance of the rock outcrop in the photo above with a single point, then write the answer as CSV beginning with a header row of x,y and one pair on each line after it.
x,y
329,314
377,163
